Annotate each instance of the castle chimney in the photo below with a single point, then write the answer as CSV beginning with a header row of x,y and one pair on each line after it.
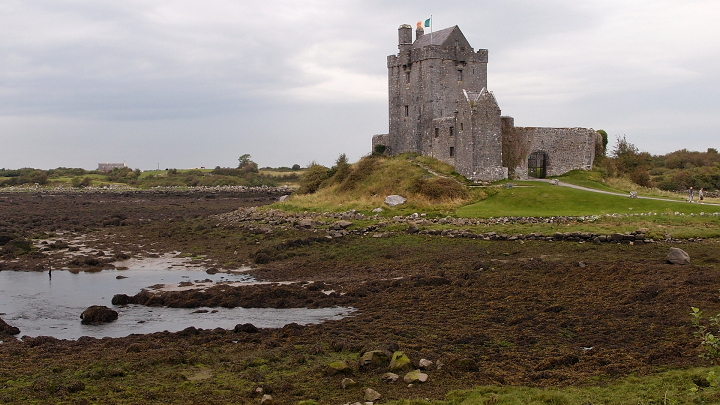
x,y
405,37
419,31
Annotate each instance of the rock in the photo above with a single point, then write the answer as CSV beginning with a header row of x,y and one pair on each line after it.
x,y
245,328
338,367
348,382
412,228
283,198
121,299
371,395
415,377
425,364
376,210
393,200
677,256
98,314
338,225
390,377
400,362
306,223
267,399
381,235
7,329
120,277
373,359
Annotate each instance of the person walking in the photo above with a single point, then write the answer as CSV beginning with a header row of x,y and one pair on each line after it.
x,y
701,194
690,193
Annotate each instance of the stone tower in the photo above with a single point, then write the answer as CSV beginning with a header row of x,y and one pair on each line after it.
x,y
439,104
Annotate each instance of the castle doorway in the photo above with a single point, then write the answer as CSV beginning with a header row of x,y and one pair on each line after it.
x,y
537,165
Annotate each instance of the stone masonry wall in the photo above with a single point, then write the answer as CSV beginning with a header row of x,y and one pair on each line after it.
x,y
567,148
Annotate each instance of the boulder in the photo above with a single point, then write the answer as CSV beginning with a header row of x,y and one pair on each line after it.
x,y
393,200
267,399
390,377
348,382
6,329
400,362
371,395
121,299
425,364
245,328
338,367
415,376
98,314
373,359
378,209
338,225
677,256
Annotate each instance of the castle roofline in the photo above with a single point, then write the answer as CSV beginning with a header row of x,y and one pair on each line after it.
x,y
440,38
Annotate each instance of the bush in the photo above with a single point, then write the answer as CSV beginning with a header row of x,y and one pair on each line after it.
x,y
313,178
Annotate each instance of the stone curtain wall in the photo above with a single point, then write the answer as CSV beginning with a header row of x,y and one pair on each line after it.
x,y
567,148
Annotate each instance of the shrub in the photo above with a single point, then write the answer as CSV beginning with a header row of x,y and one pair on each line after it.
x,y
363,169
313,177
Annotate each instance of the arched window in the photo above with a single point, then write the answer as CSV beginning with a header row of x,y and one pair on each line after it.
x,y
537,165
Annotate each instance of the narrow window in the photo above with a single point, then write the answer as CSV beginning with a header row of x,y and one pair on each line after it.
x,y
407,77
452,151
457,42
461,126
459,75
437,132
452,131
407,110
473,71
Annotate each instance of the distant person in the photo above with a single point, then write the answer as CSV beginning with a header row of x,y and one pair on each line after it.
x,y
691,194
701,194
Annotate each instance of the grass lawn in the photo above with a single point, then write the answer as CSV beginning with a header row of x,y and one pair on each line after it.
x,y
544,200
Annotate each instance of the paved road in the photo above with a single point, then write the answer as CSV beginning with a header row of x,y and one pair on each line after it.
x,y
561,183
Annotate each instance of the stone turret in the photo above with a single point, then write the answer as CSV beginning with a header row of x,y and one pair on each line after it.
x,y
405,37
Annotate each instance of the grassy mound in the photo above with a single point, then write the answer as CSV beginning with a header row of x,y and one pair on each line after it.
x,y
427,183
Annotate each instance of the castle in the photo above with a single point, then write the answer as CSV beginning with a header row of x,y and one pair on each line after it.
x,y
440,106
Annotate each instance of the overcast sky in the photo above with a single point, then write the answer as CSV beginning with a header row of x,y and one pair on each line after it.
x,y
160,83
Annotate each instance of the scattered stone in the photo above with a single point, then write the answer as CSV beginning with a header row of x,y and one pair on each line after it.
x,y
371,395
554,182
306,223
338,367
267,399
348,382
378,209
400,362
678,256
381,235
120,277
390,377
121,299
245,328
7,329
415,376
393,200
373,359
425,364
98,314
283,198
582,265
342,224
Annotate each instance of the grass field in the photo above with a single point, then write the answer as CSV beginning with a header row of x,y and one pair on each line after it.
x,y
543,199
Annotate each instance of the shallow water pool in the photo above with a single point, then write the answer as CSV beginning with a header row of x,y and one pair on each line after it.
x,y
40,305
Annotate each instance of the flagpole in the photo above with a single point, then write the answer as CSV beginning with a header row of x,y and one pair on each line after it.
x,y
431,30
